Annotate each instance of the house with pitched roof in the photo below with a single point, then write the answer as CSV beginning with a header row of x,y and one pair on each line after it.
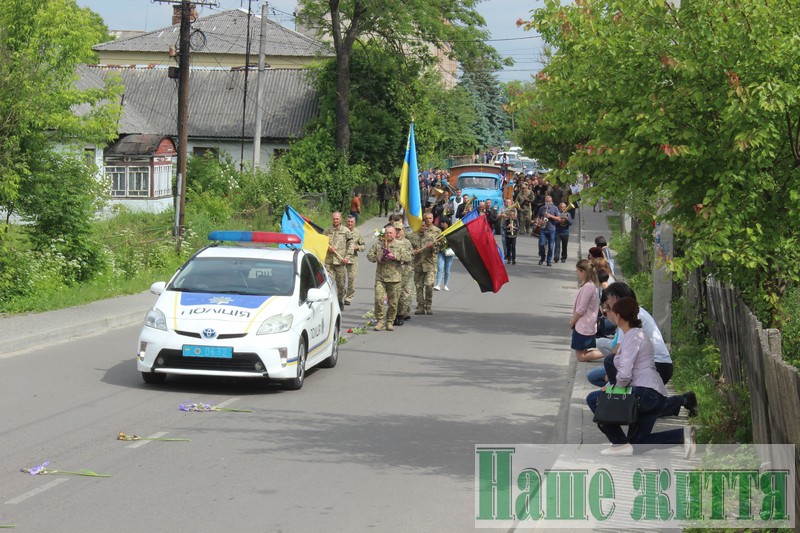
x,y
218,41
222,101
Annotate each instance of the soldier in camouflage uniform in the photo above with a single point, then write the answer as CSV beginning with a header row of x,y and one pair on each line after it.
x,y
525,200
340,248
389,255
352,265
426,243
407,283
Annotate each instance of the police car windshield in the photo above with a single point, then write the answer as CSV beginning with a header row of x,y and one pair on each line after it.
x,y
223,275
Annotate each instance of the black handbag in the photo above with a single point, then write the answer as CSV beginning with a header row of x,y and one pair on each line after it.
x,y
617,406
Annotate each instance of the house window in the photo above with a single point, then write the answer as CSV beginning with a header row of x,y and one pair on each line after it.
x,y
163,180
129,181
204,151
138,181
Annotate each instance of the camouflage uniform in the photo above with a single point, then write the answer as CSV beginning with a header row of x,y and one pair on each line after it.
x,y
407,283
425,264
388,275
525,200
352,268
341,239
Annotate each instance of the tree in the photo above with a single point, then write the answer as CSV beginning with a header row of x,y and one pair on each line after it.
x,y
41,44
407,25
696,106
492,120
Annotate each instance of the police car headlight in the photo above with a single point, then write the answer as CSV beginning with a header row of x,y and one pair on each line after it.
x,y
275,324
155,319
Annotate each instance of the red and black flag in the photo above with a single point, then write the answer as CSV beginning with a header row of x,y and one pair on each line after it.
x,y
474,245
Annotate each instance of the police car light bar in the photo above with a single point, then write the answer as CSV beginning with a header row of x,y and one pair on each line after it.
x,y
255,236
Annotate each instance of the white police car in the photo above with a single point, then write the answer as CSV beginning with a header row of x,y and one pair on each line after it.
x,y
243,311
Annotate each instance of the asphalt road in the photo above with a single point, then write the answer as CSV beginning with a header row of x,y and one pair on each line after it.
x,y
383,442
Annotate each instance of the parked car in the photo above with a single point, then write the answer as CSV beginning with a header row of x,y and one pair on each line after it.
x,y
243,311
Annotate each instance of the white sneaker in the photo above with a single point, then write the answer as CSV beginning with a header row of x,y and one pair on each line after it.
x,y
445,288
437,288
618,449
689,442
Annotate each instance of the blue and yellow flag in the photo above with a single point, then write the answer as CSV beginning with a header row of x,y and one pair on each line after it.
x,y
409,184
313,239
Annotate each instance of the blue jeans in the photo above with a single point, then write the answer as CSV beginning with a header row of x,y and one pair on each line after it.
x,y
651,404
547,238
445,263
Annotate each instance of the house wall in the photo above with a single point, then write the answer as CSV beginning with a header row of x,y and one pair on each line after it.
x,y
234,148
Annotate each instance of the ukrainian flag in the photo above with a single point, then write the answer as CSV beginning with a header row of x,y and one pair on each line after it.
x,y
409,184
311,234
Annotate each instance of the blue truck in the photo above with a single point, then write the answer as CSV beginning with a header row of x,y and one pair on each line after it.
x,y
479,181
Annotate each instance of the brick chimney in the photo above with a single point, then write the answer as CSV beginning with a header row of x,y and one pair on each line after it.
x,y
176,14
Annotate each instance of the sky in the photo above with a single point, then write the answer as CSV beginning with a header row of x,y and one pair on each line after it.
x,y
501,17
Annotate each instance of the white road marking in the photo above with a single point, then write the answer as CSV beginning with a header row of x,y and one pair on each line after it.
x,y
38,490
140,443
226,403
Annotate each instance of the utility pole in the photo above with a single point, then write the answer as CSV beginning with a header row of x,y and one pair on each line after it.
x,y
182,74
259,83
246,74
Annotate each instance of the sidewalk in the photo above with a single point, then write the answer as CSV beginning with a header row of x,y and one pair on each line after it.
x,y
580,428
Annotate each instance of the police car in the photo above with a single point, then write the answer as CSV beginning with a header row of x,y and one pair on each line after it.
x,y
244,311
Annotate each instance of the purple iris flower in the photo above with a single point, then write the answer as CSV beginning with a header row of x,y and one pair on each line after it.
x,y
36,470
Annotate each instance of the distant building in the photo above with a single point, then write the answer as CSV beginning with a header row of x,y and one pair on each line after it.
x,y
218,41
136,165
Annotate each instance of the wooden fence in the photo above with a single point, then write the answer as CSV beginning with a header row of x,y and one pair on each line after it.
x,y
751,355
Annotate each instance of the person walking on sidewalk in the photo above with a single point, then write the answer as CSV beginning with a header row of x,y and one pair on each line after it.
x,y
385,195
511,232
352,265
635,367
389,255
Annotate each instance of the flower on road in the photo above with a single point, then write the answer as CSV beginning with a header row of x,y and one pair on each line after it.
x,y
123,436
200,407
42,470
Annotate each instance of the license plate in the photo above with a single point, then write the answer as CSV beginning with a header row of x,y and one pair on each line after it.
x,y
218,352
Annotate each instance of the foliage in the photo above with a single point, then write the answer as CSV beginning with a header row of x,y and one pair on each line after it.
x,y
408,26
388,89
60,201
789,321
213,172
487,99
41,45
696,107
698,368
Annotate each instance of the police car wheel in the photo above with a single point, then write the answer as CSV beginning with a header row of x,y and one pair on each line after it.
x,y
333,358
153,378
297,382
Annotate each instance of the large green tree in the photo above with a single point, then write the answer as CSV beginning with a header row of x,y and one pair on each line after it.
x,y
409,26
696,105
388,90
43,113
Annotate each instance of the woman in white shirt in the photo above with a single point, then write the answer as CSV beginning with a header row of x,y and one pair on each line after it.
x,y
635,367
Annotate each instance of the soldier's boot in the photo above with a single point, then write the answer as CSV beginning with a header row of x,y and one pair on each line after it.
x,y
389,326
428,311
378,326
420,311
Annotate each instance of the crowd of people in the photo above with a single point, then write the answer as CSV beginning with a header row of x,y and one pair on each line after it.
x,y
608,324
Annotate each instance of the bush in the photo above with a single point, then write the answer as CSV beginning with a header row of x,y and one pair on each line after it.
x,y
789,323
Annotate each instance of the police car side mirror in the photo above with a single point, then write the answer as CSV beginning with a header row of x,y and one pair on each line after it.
x,y
158,287
318,295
